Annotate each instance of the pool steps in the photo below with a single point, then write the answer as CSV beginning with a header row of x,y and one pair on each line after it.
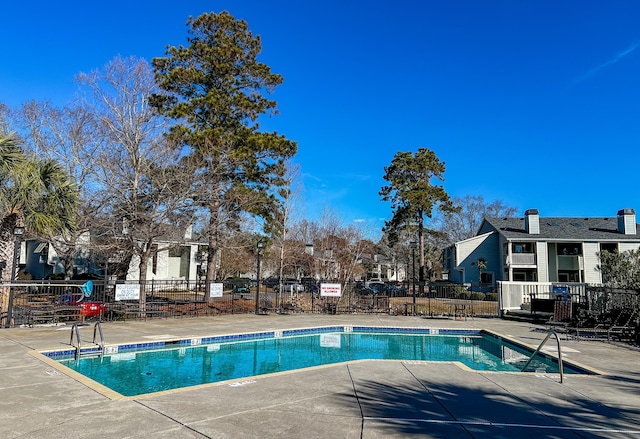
x,y
79,352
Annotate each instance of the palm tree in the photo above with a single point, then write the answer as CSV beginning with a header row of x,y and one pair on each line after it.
x,y
11,157
37,194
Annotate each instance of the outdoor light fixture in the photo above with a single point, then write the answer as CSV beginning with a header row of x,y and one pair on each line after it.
x,y
259,246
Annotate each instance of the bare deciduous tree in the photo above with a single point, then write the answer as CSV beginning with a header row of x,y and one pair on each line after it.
x,y
66,136
281,222
458,225
146,186
338,248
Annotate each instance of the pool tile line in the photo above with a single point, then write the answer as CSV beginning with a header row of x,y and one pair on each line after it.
x,y
195,341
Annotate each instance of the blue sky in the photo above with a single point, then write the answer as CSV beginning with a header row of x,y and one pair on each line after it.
x,y
533,103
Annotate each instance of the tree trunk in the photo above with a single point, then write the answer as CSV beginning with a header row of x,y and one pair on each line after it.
x,y
7,251
7,246
67,263
142,276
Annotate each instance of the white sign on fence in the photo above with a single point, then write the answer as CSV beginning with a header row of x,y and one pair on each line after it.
x,y
331,290
216,289
127,292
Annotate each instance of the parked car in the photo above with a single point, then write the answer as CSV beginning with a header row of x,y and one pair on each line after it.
x,y
394,291
242,290
290,286
367,291
270,282
310,284
233,283
378,287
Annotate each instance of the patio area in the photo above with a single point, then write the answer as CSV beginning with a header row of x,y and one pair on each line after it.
x,y
364,399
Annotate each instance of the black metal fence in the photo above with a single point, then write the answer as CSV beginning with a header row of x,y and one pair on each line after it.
x,y
48,302
610,312
587,310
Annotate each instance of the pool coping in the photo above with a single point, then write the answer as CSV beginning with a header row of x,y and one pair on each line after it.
x,y
52,357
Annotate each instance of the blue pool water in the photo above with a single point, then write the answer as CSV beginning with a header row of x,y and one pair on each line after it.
x,y
174,366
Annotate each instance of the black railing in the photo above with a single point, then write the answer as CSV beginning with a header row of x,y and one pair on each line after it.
x,y
52,302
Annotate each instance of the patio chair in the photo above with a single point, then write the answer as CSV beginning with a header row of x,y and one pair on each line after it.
x,y
626,329
620,325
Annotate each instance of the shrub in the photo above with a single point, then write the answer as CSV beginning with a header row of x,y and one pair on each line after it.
x,y
25,275
477,296
450,294
464,295
492,297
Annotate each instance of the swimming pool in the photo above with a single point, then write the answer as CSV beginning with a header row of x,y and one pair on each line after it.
x,y
143,368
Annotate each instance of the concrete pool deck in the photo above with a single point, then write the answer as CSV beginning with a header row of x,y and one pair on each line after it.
x,y
366,399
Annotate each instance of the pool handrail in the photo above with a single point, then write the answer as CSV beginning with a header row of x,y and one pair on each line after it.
x,y
550,332
97,328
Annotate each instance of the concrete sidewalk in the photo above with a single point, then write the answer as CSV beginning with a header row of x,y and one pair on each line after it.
x,y
366,399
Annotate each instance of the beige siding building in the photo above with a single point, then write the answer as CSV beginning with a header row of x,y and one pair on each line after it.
x,y
535,249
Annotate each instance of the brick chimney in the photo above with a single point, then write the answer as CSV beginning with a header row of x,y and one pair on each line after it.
x,y
532,222
627,221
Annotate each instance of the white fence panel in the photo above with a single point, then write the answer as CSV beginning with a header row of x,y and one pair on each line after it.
x,y
513,295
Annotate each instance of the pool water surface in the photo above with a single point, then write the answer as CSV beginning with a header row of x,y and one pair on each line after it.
x,y
180,364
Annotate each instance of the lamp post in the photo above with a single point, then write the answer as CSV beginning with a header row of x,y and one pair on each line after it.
x,y
18,232
259,246
199,261
413,245
308,249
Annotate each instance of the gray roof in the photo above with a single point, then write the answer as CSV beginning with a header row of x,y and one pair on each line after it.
x,y
561,229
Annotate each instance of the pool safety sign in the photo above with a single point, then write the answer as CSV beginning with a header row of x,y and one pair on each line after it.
x,y
330,290
216,289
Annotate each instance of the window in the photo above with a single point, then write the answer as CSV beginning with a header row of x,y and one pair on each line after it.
x,y
523,247
154,260
486,278
525,275
568,276
569,249
176,252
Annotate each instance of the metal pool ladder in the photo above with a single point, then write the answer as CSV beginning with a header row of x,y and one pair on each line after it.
x,y
97,328
550,332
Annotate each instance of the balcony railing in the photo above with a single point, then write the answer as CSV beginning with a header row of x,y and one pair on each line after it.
x,y
571,262
521,259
